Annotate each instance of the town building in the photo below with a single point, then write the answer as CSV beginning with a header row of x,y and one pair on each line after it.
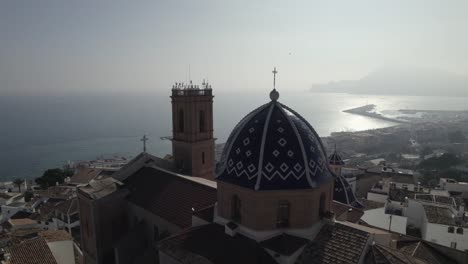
x,y
272,197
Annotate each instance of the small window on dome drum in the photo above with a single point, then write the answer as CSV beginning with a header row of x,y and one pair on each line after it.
x,y
322,205
451,229
460,230
236,209
283,214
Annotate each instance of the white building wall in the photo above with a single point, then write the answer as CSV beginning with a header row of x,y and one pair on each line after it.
x,y
378,218
62,251
439,234
415,213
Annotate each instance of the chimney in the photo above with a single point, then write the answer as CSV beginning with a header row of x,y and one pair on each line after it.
x,y
231,229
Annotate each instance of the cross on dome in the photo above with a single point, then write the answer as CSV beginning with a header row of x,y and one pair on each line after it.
x,y
274,95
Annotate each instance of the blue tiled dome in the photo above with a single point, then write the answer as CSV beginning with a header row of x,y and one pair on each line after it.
x,y
335,159
344,194
274,148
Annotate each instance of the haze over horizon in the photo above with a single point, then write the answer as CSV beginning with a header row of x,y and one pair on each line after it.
x,y
86,47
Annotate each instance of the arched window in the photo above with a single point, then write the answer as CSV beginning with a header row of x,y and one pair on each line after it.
x,y
235,208
283,214
451,229
181,120
201,121
460,230
322,205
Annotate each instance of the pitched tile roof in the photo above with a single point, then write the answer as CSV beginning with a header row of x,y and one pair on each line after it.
x,y
55,235
351,214
33,251
335,244
383,255
85,175
168,195
22,221
423,250
210,244
284,244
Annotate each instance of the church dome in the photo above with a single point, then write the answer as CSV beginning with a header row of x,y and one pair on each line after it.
x,y
274,148
335,159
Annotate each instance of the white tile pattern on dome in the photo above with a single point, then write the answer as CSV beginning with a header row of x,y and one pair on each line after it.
x,y
270,151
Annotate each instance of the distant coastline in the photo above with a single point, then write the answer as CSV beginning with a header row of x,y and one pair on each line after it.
x,y
366,110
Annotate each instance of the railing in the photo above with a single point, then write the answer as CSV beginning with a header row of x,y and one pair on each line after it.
x,y
191,92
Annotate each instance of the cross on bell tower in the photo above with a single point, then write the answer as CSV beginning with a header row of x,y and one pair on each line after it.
x,y
144,139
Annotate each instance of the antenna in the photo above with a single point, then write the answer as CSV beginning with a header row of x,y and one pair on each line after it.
x,y
189,75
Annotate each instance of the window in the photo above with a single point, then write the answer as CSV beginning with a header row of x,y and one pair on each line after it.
x,y
236,208
460,230
451,229
155,233
203,157
202,121
283,214
181,120
322,205
453,244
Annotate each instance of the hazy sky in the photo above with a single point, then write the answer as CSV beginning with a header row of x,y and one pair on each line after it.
x,y
138,46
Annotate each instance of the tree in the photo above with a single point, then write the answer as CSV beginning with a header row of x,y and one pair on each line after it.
x,y
52,176
18,183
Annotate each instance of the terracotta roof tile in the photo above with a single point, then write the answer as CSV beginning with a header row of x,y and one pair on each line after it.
x,y
55,235
335,244
383,255
33,251
169,196
352,214
284,244
210,244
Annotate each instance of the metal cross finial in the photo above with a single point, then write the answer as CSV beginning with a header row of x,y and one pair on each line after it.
x,y
274,77
144,139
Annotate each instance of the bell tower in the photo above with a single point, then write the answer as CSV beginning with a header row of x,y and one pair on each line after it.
x,y
192,129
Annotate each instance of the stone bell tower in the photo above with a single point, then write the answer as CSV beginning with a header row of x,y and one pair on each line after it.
x,y
192,129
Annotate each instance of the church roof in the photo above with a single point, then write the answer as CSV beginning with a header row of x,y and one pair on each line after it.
x,y
210,244
168,195
335,244
274,148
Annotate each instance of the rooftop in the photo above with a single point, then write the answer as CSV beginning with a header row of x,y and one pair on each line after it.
x,y
424,251
383,255
171,197
55,235
284,244
210,243
22,221
352,214
335,244
33,251
439,215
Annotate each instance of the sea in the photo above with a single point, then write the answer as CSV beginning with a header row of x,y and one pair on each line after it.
x,y
42,132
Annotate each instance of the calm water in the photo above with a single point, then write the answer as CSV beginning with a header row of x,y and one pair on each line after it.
x,y
37,133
